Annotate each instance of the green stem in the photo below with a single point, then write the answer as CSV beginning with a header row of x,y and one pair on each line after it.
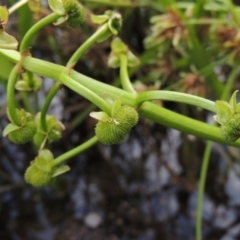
x,y
201,189
85,92
11,96
26,102
126,83
149,110
47,103
16,6
176,97
87,44
35,28
75,151
229,83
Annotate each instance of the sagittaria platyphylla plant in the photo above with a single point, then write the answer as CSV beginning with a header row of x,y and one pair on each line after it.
x,y
228,116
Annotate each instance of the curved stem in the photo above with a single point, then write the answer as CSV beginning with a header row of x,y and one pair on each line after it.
x,y
176,97
85,92
46,104
11,96
201,189
73,152
86,45
126,83
35,28
16,6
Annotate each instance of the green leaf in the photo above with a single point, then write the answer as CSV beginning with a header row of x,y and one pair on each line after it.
x,y
100,116
57,6
60,170
10,128
7,41
224,112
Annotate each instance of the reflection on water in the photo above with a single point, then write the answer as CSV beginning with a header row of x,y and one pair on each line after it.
x,y
138,190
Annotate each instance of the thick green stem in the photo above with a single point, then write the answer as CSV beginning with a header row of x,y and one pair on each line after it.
x,y
85,92
124,77
201,189
47,103
11,96
87,44
16,6
35,28
75,151
176,97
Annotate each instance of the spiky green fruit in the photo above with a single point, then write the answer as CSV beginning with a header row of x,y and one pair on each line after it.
x,y
115,128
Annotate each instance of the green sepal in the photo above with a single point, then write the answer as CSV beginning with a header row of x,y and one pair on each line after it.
x,y
10,128
118,46
116,106
233,101
99,19
34,5
60,170
7,41
57,6
100,116
224,112
53,133
43,164
4,17
60,20
133,61
115,23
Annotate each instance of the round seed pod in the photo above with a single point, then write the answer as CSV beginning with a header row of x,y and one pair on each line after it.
x,y
23,134
116,128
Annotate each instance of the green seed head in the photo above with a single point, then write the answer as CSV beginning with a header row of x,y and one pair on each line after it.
x,y
39,173
36,177
116,128
76,12
24,134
